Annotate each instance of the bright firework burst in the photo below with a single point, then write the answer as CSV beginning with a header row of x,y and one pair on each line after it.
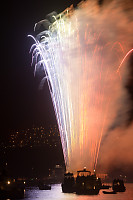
x,y
81,67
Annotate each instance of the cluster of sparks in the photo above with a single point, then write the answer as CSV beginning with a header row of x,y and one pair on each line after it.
x,y
77,80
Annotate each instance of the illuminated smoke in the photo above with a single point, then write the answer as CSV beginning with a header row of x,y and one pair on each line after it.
x,y
82,55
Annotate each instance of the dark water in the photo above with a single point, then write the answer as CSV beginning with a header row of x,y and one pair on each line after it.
x,y
56,194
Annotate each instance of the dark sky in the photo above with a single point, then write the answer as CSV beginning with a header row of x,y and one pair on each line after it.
x,y
22,104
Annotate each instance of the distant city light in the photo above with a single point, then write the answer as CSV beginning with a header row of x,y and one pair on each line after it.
x,y
32,137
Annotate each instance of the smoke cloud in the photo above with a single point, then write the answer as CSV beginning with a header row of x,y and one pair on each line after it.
x,y
112,20
115,18
94,108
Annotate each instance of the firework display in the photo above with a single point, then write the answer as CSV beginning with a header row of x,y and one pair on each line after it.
x,y
83,69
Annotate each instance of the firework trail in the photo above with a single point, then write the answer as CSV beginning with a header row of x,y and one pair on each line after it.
x,y
82,59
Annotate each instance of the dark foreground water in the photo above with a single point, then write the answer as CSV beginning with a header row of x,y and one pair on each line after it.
x,y
56,194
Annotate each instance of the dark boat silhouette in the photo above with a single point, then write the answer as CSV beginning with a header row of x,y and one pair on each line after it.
x,y
118,185
87,184
68,185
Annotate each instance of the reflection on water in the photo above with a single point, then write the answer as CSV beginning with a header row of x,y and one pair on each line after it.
x,y
56,194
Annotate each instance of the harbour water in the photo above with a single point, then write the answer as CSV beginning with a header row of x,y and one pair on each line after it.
x,y
56,194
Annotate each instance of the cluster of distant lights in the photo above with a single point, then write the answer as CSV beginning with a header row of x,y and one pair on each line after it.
x,y
34,136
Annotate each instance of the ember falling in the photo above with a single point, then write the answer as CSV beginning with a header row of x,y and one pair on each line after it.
x,y
85,54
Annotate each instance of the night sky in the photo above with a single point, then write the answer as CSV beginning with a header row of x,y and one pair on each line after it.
x,y
22,103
